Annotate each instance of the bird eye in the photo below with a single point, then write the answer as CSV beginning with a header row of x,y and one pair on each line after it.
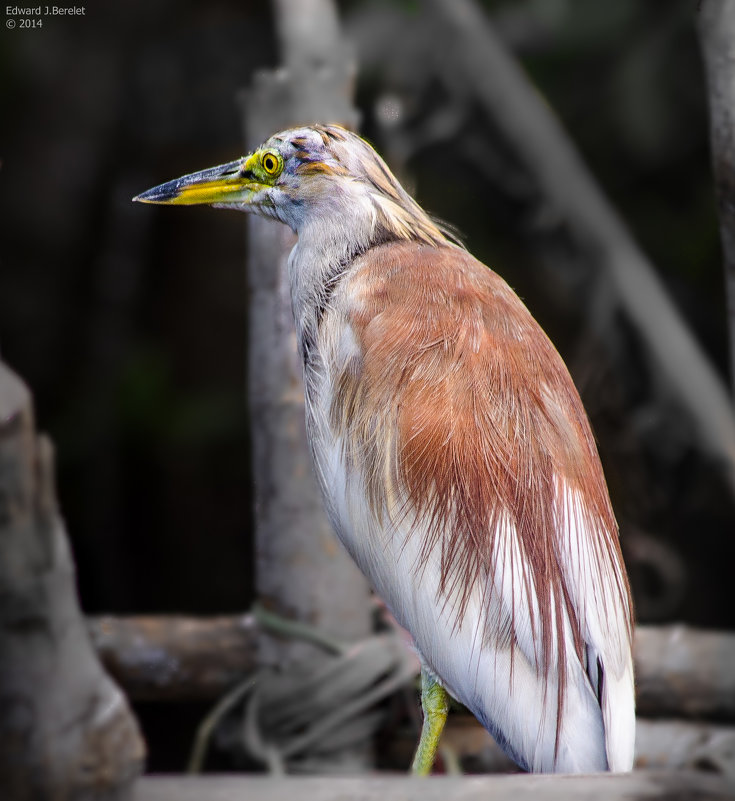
x,y
272,163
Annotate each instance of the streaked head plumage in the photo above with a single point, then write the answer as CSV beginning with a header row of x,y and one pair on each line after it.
x,y
297,175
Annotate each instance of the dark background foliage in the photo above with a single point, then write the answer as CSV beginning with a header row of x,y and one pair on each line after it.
x,y
128,322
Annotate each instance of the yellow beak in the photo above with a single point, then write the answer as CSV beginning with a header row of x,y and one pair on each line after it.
x,y
226,183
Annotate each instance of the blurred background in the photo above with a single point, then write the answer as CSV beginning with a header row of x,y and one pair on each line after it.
x,y
129,322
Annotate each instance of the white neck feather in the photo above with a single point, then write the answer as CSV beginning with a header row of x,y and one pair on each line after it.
x,y
328,241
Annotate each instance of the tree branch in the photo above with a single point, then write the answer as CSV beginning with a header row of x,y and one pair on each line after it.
x,y
537,140
680,671
612,787
716,25
685,672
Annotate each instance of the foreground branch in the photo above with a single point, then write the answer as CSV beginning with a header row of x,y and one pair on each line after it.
x,y
612,787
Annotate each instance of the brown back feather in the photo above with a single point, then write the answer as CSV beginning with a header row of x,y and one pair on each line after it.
x,y
479,414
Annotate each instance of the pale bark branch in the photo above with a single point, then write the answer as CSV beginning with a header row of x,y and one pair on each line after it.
x,y
716,24
612,787
535,138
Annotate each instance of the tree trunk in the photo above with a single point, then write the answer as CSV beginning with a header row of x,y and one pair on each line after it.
x,y
302,572
66,731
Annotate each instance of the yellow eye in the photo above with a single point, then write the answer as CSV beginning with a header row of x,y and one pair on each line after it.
x,y
272,163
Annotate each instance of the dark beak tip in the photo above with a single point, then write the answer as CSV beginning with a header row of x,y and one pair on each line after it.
x,y
145,197
155,195
163,193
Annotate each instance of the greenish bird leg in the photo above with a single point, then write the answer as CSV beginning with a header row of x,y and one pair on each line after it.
x,y
435,703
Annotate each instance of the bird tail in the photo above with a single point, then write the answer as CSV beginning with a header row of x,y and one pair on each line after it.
x,y
618,714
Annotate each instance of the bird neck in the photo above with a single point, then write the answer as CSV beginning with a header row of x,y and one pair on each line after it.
x,y
347,221
324,252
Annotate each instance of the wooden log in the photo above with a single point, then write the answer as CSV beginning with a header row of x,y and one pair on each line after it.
x,y
66,731
659,745
680,671
685,672
176,658
674,786
685,745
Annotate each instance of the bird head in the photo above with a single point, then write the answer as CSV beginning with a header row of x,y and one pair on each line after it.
x,y
314,174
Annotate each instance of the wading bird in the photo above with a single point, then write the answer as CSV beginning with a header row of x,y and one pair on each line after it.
x,y
453,452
